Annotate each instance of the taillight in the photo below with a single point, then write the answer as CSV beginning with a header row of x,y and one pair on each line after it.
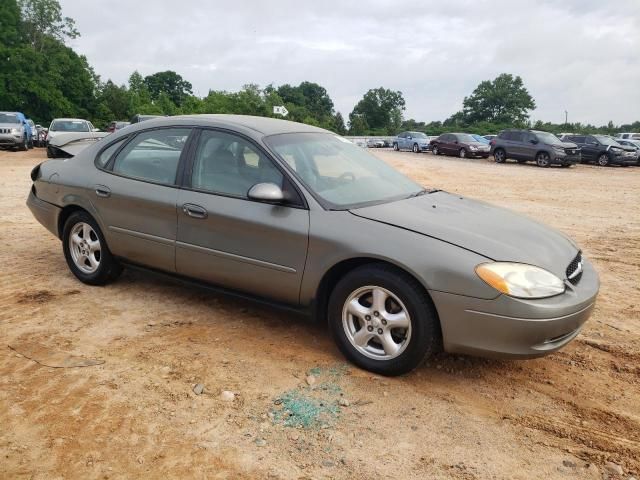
x,y
35,173
492,143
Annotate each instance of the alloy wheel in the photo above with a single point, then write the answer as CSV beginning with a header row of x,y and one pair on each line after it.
x,y
85,248
434,150
376,323
543,160
415,148
603,160
462,153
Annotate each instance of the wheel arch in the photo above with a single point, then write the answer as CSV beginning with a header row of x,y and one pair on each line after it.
x,y
65,213
340,269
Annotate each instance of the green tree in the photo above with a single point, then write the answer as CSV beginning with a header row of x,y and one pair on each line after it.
x,y
9,24
502,100
170,83
357,124
381,109
338,124
43,19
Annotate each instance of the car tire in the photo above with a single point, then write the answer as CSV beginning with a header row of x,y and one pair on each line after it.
x,y
416,149
435,150
395,147
86,250
543,160
407,347
462,153
603,160
499,155
23,147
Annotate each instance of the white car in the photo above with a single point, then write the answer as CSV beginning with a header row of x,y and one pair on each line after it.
x,y
628,136
62,131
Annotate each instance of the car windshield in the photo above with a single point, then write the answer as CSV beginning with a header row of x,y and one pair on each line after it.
x,y
604,140
340,173
9,118
548,138
69,126
418,134
464,137
480,138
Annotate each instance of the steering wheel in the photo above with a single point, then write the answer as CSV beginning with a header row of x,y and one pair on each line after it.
x,y
347,176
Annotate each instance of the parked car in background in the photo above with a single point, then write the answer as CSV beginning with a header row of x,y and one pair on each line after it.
x,y
414,141
490,137
603,150
628,135
137,118
301,217
461,145
15,131
544,148
480,139
42,136
33,138
64,131
635,144
113,126
375,143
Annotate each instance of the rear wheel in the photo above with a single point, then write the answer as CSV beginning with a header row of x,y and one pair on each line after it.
x,y
499,155
86,251
382,320
543,160
603,160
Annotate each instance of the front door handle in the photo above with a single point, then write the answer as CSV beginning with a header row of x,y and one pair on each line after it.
x,y
103,191
194,211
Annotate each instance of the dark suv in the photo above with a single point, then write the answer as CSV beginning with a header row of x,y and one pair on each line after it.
x,y
544,148
603,150
460,144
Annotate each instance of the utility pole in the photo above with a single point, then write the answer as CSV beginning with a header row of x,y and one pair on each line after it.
x,y
566,118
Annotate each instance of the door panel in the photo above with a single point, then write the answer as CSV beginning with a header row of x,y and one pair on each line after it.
x,y
255,247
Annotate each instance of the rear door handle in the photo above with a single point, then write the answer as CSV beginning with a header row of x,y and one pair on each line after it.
x,y
194,211
103,191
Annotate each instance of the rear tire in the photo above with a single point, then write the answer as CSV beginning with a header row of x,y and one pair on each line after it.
x,y
86,250
369,340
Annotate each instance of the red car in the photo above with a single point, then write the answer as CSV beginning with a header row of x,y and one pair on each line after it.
x,y
462,145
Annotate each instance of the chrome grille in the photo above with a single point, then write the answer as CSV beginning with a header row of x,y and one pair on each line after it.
x,y
5,130
574,270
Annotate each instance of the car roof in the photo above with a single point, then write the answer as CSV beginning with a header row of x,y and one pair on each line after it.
x,y
264,125
70,119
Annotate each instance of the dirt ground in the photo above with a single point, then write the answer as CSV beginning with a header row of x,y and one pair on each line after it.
x,y
135,415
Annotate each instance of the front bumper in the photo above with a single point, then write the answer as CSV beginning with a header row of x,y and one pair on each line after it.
x,y
46,213
479,153
624,160
10,140
558,158
508,327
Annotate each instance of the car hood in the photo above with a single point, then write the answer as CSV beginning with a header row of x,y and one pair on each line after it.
x,y
569,145
10,125
493,232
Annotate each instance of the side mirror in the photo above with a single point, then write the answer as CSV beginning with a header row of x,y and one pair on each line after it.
x,y
534,141
408,138
266,192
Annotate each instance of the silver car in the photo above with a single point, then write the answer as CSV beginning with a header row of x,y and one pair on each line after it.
x,y
300,217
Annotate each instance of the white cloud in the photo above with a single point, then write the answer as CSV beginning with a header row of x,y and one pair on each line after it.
x,y
577,55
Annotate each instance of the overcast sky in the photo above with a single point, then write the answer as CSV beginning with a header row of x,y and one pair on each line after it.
x,y
577,55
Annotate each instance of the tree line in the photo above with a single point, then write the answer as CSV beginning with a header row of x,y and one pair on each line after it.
x,y
44,78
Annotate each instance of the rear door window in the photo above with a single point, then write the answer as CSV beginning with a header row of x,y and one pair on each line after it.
x,y
153,155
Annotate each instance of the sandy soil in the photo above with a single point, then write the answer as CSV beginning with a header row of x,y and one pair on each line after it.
x,y
135,415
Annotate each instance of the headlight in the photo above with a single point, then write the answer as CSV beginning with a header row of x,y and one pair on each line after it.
x,y
520,280
558,149
472,147
16,131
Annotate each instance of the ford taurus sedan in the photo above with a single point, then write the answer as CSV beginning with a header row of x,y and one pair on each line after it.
x,y
300,217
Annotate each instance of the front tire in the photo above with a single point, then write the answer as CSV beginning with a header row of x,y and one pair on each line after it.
x,y
86,251
462,153
24,145
416,149
603,160
543,160
435,150
500,156
382,320
395,147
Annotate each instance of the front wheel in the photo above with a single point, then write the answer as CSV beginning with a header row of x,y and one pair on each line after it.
x,y
86,251
435,150
462,153
382,320
543,160
24,145
603,160
395,147
499,156
416,149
